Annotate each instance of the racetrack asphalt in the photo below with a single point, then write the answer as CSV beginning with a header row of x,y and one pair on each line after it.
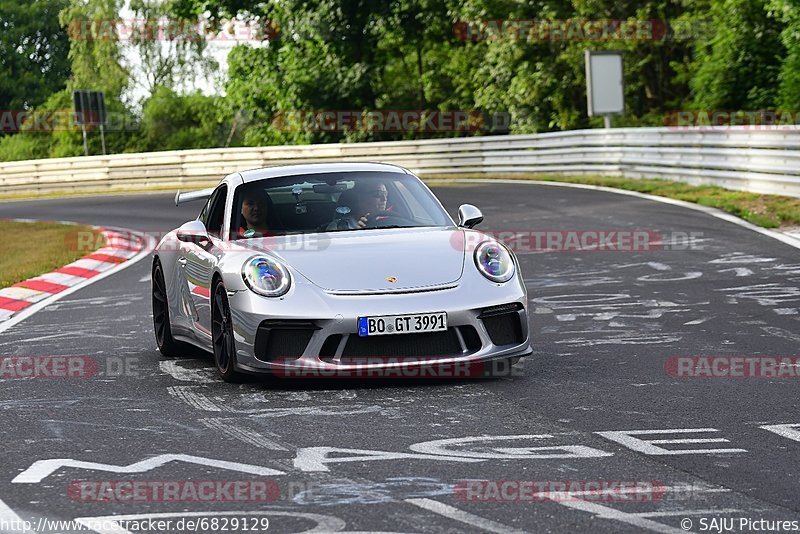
x,y
604,323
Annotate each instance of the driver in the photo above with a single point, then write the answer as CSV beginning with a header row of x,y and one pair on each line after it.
x,y
372,197
255,211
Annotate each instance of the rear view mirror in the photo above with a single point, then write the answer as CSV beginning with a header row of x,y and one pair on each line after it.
x,y
469,216
193,232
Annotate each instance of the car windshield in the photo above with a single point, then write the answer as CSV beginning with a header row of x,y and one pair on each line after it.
x,y
333,202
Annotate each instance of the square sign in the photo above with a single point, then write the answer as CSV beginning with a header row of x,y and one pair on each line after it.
x,y
605,89
90,107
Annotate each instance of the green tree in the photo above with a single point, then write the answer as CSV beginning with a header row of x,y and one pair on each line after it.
x,y
788,13
174,122
739,61
33,52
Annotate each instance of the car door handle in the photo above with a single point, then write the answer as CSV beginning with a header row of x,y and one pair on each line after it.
x,y
182,261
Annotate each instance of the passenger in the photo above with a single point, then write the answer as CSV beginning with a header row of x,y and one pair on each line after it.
x,y
256,206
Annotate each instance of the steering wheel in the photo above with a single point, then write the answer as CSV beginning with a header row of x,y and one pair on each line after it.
x,y
342,223
388,218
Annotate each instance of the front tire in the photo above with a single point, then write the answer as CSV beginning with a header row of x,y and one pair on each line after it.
x,y
222,336
164,340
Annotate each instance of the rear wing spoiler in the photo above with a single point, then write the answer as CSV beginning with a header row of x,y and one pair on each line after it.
x,y
190,196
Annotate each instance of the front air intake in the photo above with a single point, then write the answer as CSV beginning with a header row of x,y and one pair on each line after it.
x,y
503,323
283,339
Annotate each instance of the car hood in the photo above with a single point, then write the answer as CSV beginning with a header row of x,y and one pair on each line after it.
x,y
367,261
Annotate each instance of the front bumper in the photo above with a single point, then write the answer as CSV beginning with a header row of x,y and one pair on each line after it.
x,y
328,322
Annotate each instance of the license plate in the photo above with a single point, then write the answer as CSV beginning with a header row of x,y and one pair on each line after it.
x,y
402,324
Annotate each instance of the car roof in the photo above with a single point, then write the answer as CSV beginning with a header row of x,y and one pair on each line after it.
x,y
253,175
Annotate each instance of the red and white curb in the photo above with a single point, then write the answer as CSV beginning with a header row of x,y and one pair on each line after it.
x,y
24,298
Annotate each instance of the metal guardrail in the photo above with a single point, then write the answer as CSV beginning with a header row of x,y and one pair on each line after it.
x,y
762,161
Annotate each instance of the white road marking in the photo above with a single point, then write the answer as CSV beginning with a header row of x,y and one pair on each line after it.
x,y
439,447
145,278
184,374
315,459
738,257
788,431
691,275
771,294
50,336
640,519
461,516
10,518
41,469
229,428
697,321
740,271
647,446
692,488
780,332
604,512
632,340
684,513
190,396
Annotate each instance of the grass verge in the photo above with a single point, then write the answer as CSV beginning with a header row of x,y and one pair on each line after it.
x,y
33,248
768,211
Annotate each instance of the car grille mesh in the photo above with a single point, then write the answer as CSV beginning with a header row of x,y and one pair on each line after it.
x,y
278,340
428,344
504,329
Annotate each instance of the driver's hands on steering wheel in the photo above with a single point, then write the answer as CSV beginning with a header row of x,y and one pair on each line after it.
x,y
363,221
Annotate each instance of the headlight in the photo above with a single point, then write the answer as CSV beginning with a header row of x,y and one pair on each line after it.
x,y
266,276
494,261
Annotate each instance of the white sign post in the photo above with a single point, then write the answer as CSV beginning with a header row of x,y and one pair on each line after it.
x,y
605,89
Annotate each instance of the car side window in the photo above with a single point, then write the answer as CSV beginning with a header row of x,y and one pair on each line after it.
x,y
203,217
216,212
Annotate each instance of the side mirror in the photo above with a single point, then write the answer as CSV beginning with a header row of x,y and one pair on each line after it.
x,y
193,232
469,216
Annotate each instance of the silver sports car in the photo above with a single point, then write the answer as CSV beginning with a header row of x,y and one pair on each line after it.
x,y
327,269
